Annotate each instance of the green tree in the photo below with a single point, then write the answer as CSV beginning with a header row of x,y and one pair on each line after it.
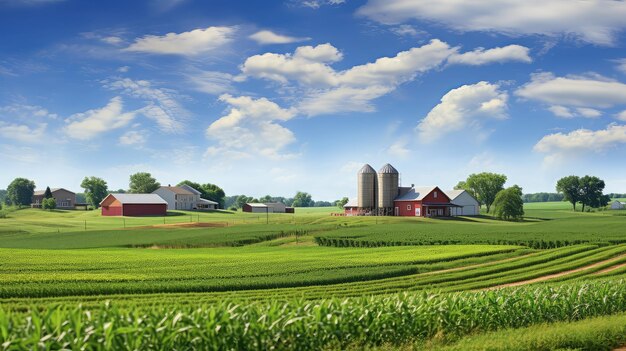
x,y
462,185
242,200
20,192
508,204
48,193
302,199
570,188
484,187
49,203
342,202
96,190
591,192
142,183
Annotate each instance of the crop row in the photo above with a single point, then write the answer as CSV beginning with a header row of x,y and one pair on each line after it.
x,y
304,325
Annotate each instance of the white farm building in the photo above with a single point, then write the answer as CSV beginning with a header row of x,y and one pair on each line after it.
x,y
618,205
468,205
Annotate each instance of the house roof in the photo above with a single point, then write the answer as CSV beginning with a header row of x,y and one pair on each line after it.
x,y
190,188
177,190
137,199
205,201
256,205
453,194
416,193
272,204
41,192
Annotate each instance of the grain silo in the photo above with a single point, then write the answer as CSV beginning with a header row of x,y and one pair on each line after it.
x,y
388,179
366,192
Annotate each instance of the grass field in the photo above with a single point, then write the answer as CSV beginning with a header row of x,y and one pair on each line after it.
x,y
233,280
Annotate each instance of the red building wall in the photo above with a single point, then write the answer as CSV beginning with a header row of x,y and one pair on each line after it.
x,y
403,209
441,198
145,209
111,210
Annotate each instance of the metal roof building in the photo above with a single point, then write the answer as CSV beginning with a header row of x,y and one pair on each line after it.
x,y
133,205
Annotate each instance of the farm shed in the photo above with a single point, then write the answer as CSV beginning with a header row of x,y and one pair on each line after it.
x,y
469,206
255,208
618,205
133,205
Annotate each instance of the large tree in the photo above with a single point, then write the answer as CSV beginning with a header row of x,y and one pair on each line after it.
x,y
20,192
302,199
570,188
48,193
591,192
508,204
96,190
142,183
208,191
484,186
342,202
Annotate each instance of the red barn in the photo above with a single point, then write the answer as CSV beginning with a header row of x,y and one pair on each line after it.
x,y
423,202
133,205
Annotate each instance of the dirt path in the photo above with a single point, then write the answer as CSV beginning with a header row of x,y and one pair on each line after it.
x,y
556,275
610,269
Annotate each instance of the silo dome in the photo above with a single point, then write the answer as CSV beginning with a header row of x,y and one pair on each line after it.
x,y
366,184
388,182
388,169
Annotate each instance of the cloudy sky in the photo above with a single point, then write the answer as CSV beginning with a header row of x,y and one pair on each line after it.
x,y
271,97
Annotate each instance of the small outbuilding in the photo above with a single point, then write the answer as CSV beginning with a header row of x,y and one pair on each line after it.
x,y
255,208
133,205
468,205
269,207
618,205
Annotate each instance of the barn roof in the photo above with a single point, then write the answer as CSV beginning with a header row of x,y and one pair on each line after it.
x,y
254,204
416,193
138,199
351,203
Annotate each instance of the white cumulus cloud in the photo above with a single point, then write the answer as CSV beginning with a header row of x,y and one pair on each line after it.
x,y
581,141
132,138
87,125
574,96
463,107
269,37
481,56
250,128
23,133
190,43
593,21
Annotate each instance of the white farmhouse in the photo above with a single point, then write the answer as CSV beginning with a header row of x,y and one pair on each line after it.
x,y
468,205
618,205
184,197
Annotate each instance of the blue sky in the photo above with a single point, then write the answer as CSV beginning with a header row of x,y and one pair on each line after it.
x,y
278,96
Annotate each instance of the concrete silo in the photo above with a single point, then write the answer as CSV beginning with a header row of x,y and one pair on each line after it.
x,y
366,187
388,179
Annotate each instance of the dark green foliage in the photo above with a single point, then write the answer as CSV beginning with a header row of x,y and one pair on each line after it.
x,y
570,188
20,192
484,186
542,197
48,193
508,204
96,190
142,183
591,192
302,199
342,202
